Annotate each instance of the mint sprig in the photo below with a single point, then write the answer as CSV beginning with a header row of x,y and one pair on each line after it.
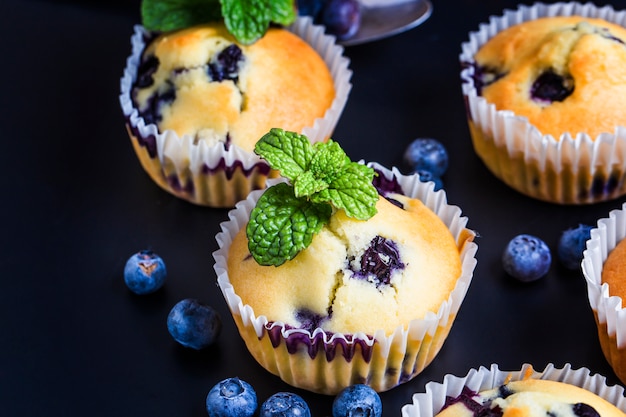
x,y
246,20
321,179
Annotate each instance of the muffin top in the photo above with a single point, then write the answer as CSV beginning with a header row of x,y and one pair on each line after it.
x,y
356,275
201,82
530,398
565,74
614,270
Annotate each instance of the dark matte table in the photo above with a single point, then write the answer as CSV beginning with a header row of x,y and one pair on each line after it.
x,y
77,204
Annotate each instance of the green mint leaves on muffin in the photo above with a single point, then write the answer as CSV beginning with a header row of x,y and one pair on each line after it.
x,y
246,20
321,179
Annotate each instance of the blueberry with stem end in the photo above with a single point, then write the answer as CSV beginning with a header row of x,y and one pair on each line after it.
x,y
144,272
357,400
194,324
285,404
231,397
526,258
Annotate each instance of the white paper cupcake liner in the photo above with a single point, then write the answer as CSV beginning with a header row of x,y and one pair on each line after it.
x,y
608,310
429,403
209,175
570,170
409,350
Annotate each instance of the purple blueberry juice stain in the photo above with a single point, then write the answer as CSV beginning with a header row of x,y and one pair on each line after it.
x,y
467,399
601,186
378,262
386,186
315,345
149,142
260,167
484,76
174,183
309,320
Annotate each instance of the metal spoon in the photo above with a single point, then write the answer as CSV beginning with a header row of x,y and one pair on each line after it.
x,y
380,20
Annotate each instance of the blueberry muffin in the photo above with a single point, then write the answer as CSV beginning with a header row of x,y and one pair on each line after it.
x,y
544,97
491,392
196,101
603,267
369,301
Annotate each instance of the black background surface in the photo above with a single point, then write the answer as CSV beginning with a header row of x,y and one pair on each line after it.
x,y
76,204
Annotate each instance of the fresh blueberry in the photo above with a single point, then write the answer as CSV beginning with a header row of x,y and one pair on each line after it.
x,y
572,244
426,154
357,400
342,18
231,397
526,258
194,324
285,404
426,176
144,272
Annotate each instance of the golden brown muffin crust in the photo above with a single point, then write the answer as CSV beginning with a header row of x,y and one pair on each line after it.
x,y
591,51
282,82
318,278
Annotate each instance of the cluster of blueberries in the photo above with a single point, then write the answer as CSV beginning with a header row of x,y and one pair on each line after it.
x,y
234,397
526,257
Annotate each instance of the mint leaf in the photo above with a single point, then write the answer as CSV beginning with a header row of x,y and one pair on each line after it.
x,y
307,184
248,20
168,15
281,225
282,12
329,160
288,152
352,191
